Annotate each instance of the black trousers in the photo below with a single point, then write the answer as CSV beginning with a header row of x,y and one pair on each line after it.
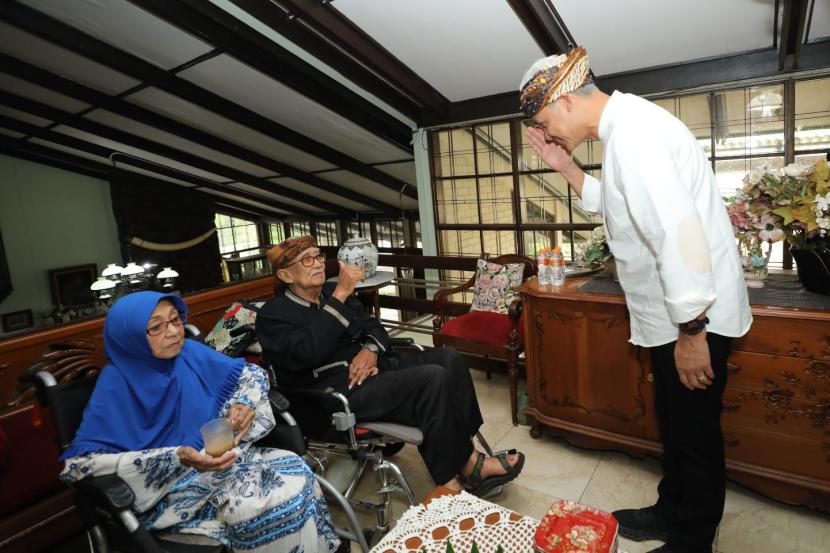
x,y
433,391
693,488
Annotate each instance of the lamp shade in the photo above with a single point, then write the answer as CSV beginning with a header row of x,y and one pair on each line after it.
x,y
112,270
102,283
132,269
167,272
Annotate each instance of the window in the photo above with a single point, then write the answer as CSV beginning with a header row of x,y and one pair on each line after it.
x,y
494,194
483,204
235,234
299,229
276,233
360,228
326,233
389,233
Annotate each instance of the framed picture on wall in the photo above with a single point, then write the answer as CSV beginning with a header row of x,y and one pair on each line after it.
x,y
70,285
17,320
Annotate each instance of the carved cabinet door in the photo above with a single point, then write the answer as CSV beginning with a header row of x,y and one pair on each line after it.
x,y
582,369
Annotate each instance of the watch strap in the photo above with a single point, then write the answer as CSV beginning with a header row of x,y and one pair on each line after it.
x,y
695,326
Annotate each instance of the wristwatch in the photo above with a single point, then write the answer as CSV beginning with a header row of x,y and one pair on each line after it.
x,y
695,326
371,346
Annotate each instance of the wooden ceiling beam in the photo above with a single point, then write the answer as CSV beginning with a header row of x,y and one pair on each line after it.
x,y
68,37
61,117
321,47
218,27
107,153
37,153
41,77
543,23
333,26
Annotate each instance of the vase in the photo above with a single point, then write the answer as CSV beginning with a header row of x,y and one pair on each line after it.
x,y
754,262
812,266
361,252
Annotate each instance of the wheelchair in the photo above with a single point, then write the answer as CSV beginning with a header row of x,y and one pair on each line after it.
x,y
345,450
104,502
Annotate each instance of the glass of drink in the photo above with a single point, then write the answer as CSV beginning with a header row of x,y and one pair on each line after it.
x,y
218,437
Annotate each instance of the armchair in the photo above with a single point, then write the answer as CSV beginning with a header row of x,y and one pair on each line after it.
x,y
490,335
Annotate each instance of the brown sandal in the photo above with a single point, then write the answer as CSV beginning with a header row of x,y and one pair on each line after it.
x,y
479,486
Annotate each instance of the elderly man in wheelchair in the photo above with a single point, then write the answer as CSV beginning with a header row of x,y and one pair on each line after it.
x,y
318,336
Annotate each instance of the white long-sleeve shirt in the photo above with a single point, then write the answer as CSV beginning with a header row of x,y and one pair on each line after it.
x,y
666,224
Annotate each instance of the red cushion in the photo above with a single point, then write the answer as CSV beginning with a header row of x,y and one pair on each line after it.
x,y
481,326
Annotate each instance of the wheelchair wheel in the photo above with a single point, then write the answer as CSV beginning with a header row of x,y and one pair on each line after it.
x,y
391,449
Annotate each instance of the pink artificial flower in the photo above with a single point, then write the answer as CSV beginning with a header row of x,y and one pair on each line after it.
x,y
769,232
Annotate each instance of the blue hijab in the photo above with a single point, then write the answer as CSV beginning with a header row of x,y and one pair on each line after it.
x,y
143,402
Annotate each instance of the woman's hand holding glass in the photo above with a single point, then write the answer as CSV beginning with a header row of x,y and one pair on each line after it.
x,y
242,418
201,462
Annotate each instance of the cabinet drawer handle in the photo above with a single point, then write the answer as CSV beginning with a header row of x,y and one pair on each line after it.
x,y
730,406
731,441
732,368
650,377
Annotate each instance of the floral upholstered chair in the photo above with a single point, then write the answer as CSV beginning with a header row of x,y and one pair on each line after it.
x,y
492,328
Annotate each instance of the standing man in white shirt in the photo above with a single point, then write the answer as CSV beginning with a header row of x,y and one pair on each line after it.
x,y
678,266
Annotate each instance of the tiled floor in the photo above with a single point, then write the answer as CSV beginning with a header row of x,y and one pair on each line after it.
x,y
556,470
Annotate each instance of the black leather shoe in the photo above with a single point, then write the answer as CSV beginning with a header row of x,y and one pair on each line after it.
x,y
642,524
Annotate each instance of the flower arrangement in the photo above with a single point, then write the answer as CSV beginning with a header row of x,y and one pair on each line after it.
x,y
596,249
792,203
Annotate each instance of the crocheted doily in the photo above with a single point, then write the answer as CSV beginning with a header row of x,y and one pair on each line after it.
x,y
462,519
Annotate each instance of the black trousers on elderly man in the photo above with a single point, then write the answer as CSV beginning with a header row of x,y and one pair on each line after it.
x,y
432,390
693,488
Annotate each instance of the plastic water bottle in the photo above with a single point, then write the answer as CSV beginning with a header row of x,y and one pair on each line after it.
x,y
543,266
557,267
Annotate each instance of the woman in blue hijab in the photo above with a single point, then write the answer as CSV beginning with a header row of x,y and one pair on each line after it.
x,y
143,422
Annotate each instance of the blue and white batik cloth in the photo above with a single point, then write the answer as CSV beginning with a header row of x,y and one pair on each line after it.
x,y
268,501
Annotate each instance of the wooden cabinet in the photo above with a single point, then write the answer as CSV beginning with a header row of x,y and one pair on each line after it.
x,y
588,384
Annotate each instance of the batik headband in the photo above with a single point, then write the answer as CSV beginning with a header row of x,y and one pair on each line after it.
x,y
284,253
554,78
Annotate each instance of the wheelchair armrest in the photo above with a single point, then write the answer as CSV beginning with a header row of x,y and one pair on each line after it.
x,y
113,495
279,403
406,343
110,491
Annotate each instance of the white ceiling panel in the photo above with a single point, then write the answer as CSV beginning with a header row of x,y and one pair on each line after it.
x,y
820,24
370,188
277,197
46,55
321,193
248,87
231,196
152,133
195,116
23,116
403,171
463,48
126,27
636,34
40,94
66,149
105,161
13,134
139,153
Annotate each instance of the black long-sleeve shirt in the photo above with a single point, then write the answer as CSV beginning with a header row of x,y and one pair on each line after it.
x,y
312,345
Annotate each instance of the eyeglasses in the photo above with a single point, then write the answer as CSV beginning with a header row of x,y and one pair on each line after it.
x,y
308,261
160,328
